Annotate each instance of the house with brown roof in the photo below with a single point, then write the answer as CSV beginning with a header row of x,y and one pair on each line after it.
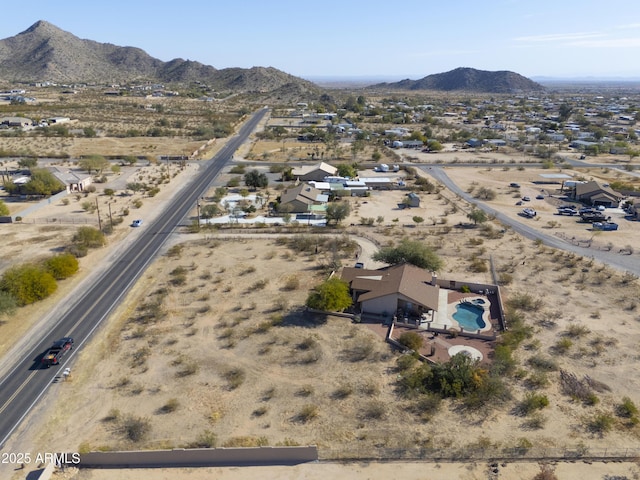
x,y
301,198
399,289
316,173
593,193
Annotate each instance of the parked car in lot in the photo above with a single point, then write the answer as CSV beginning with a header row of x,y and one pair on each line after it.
x,y
514,185
526,199
529,212
605,226
136,223
540,197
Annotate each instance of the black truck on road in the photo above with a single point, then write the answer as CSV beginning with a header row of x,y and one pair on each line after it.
x,y
57,351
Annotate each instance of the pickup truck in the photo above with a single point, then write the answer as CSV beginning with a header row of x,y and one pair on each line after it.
x,y
57,351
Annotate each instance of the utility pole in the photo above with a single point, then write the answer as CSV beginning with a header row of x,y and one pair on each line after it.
x,y
98,210
110,217
198,208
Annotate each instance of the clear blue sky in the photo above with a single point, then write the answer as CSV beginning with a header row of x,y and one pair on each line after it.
x,y
347,38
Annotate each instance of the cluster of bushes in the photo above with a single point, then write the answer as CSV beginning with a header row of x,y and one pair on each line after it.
x,y
25,284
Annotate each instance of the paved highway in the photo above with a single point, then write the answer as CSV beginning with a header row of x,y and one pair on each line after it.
x,y
26,382
623,263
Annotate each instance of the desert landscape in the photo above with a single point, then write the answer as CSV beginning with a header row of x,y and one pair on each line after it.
x,y
214,347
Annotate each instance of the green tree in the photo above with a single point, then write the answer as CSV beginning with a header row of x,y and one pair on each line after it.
x,y
4,210
89,237
410,251
477,216
346,170
434,146
28,283
210,211
8,303
337,211
485,193
94,162
62,266
28,163
331,296
89,132
254,179
42,182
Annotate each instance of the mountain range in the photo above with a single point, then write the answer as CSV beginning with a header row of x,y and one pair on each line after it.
x,y
45,52
468,80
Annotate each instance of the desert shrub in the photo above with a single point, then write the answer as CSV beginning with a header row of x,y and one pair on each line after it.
x,y
406,362
544,364
427,405
547,472
531,403
343,391
373,410
8,303
260,411
535,421
307,413
411,340
291,283
88,237
187,368
562,346
135,428
600,423
234,377
62,266
575,330
478,265
627,408
305,391
28,283
171,406
524,301
206,439
360,349
246,442
537,380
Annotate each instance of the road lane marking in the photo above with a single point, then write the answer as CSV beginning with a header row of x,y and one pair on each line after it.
x,y
18,390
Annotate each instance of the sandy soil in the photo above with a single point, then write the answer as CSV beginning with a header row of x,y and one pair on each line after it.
x,y
226,351
378,471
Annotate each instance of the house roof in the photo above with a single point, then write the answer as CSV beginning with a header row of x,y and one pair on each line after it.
x,y
589,189
68,177
303,193
307,169
405,279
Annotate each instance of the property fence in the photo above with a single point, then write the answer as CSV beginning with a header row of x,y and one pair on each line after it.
x,y
481,454
60,221
200,457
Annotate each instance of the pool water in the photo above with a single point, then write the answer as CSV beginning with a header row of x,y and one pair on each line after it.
x,y
469,317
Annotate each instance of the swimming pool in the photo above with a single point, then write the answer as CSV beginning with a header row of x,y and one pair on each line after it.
x,y
469,317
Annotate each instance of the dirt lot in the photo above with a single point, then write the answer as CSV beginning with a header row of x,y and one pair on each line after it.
x,y
210,346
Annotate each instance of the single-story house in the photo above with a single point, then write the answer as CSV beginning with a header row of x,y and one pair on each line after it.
x,y
595,194
474,142
302,197
73,181
403,288
316,173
